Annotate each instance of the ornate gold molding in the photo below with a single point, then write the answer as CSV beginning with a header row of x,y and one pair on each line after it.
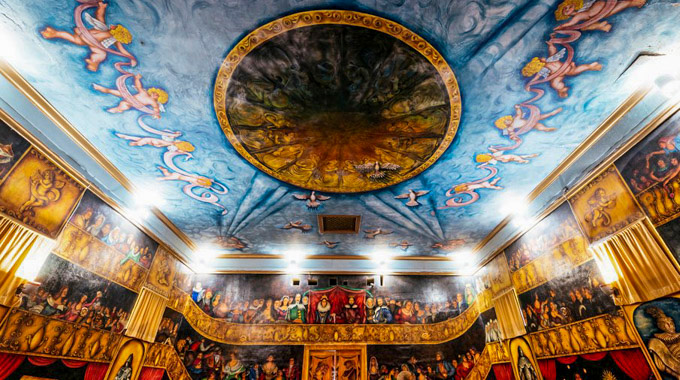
x,y
36,335
602,333
164,356
287,334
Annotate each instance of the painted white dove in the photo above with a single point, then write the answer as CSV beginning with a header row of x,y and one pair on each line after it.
x,y
412,197
313,200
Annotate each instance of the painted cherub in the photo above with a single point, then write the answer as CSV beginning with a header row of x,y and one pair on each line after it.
x,y
498,156
598,205
515,125
99,38
580,11
166,142
152,97
196,180
541,68
44,189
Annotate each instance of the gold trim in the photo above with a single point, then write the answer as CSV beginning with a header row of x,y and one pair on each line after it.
x,y
65,167
335,17
327,257
65,126
339,273
221,331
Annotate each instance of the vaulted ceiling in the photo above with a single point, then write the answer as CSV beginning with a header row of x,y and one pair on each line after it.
x,y
248,119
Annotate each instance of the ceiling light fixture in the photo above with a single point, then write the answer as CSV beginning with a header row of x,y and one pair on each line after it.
x,y
381,256
148,196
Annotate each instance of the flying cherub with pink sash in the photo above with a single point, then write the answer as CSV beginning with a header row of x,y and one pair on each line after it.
x,y
152,97
589,14
100,37
553,69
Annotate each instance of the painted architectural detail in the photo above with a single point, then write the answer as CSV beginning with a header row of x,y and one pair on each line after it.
x,y
234,333
602,333
33,334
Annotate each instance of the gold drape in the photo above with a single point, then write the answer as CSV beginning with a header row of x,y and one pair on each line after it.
x,y
146,315
19,245
639,262
509,314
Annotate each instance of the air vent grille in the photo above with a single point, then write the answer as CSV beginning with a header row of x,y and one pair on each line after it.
x,y
339,224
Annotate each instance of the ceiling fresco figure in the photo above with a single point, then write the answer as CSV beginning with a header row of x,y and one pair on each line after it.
x,y
334,109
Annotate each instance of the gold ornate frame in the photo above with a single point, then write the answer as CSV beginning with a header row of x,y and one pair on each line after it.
x,y
335,17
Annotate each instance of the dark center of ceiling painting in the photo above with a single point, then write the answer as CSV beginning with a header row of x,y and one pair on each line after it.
x,y
337,107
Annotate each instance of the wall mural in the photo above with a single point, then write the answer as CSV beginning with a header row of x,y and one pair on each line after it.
x,y
66,291
650,170
572,297
656,323
205,359
550,248
451,360
528,84
32,189
99,239
605,206
169,327
402,299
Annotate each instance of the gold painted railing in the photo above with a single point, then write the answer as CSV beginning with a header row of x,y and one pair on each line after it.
x,y
601,333
164,356
280,334
36,335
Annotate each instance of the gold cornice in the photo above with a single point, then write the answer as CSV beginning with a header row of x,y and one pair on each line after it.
x,y
65,126
339,273
297,334
600,131
327,257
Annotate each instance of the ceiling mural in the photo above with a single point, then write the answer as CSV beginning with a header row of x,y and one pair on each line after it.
x,y
250,118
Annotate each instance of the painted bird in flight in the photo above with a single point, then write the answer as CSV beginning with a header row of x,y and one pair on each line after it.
x,y
313,200
403,245
376,170
412,197
371,234
297,225
330,244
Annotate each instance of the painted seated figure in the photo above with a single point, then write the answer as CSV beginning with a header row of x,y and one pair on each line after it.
x,y
664,347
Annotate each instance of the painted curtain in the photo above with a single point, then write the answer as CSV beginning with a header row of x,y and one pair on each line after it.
x,y
338,297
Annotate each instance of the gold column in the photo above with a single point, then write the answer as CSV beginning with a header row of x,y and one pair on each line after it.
x,y
509,314
146,315
638,263
19,245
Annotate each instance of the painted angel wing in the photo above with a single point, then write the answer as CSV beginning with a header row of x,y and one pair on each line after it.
x,y
390,166
365,168
557,56
422,192
544,72
322,197
402,196
385,232
301,197
95,23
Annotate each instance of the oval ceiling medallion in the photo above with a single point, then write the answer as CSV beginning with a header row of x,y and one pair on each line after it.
x,y
337,101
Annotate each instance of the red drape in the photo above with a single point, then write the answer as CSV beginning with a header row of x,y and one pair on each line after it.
x,y
149,373
41,362
337,296
632,363
567,359
73,363
503,371
95,371
595,356
9,363
548,369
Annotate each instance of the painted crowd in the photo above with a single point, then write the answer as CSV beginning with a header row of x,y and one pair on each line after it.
x,y
356,309
438,369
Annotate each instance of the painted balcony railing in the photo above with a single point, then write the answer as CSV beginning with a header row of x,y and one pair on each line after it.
x,y
165,356
237,333
602,333
36,335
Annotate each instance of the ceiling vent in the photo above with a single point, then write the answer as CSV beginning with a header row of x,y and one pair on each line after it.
x,y
339,224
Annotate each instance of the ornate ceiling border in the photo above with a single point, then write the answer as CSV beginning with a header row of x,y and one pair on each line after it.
x,y
336,17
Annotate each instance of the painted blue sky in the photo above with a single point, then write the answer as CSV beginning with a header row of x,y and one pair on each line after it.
x,y
179,46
